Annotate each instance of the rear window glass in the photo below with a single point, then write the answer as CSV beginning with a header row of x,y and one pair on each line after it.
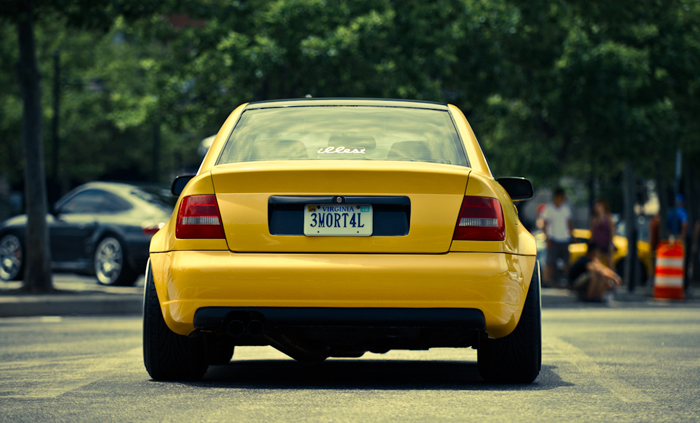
x,y
345,133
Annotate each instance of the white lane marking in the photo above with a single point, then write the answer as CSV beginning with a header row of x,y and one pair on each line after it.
x,y
587,367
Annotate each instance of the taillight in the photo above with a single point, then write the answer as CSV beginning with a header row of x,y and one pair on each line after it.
x,y
480,219
198,218
150,228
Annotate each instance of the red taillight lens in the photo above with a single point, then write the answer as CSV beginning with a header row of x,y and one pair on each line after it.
x,y
480,219
198,218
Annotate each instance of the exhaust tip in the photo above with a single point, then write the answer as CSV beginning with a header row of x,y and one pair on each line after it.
x,y
256,328
236,328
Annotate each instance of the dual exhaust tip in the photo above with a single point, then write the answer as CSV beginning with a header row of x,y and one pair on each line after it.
x,y
238,328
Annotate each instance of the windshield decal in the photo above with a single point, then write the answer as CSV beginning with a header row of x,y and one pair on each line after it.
x,y
341,149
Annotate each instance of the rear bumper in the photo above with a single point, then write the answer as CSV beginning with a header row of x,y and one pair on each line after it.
x,y
398,288
209,318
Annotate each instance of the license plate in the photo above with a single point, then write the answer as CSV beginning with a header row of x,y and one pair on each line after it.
x,y
338,220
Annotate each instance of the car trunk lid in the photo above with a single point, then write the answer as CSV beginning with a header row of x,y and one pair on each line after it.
x,y
414,205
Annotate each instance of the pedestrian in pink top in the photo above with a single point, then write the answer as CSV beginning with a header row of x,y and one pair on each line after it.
x,y
602,231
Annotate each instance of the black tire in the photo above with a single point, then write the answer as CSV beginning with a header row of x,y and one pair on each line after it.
x,y
167,355
516,358
219,350
110,263
11,257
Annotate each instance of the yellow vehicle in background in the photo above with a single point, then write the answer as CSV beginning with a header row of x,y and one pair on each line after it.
x,y
578,248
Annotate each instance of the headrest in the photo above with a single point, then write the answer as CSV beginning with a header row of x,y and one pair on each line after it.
x,y
410,150
278,150
353,141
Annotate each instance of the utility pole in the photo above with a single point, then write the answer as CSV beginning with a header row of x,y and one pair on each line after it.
x,y
155,164
55,139
630,227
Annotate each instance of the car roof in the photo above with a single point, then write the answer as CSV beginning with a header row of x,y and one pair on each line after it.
x,y
123,189
309,102
109,186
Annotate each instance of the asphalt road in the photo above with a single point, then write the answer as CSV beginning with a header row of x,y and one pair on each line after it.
x,y
627,364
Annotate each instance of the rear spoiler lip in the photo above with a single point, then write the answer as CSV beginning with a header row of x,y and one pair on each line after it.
x,y
325,199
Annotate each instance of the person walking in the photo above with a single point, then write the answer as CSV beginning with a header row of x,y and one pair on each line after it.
x,y
602,231
557,229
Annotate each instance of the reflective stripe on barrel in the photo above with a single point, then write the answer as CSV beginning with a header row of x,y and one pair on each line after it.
x,y
668,280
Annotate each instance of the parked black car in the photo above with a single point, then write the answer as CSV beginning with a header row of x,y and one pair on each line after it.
x,y
100,228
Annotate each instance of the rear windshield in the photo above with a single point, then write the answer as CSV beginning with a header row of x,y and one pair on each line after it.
x,y
345,133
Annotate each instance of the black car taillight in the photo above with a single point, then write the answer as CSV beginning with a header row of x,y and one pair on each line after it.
x,y
199,218
480,219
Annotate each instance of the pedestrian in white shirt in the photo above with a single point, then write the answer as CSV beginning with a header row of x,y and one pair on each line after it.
x,y
557,228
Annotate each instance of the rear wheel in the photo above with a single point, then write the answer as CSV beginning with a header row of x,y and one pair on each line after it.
x,y
167,355
516,358
11,258
219,350
111,267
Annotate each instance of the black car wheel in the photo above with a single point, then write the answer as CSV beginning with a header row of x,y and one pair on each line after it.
x,y
167,355
11,258
111,267
516,358
219,350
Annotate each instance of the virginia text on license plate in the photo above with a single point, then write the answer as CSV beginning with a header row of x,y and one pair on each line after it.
x,y
338,220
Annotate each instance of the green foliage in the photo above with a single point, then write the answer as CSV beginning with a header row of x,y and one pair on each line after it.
x,y
551,88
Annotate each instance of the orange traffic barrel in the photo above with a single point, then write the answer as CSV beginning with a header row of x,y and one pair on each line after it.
x,y
668,279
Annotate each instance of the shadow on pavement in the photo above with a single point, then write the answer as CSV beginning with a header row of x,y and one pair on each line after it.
x,y
363,374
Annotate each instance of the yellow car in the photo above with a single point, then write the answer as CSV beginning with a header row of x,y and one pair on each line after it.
x,y
578,248
336,227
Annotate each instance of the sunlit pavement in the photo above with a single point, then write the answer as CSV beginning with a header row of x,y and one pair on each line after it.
x,y
626,364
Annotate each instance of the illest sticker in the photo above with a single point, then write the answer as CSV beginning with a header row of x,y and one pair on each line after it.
x,y
341,150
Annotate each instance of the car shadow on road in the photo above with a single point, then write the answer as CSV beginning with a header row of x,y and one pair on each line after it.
x,y
364,374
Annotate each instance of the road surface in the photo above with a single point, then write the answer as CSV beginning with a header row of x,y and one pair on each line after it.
x,y
599,364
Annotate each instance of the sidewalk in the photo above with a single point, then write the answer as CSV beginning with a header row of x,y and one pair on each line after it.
x,y
80,296
643,295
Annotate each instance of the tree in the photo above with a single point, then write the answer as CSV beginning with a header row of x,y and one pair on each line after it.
x,y
37,276
37,271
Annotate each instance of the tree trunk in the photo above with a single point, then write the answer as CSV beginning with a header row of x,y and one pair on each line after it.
x,y
37,256
662,193
55,190
691,206
630,262
155,160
